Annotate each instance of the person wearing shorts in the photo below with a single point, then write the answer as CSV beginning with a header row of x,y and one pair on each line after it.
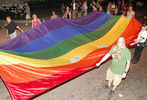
x,y
28,14
121,57
11,28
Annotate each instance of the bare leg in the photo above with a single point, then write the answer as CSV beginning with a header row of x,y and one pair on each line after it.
x,y
27,22
109,82
114,87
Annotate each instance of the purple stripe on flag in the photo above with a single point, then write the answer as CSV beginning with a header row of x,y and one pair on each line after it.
x,y
44,28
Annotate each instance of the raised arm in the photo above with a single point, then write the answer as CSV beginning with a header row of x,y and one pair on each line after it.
x,y
136,41
19,29
103,59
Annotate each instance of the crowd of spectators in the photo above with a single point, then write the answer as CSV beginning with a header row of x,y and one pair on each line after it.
x,y
83,7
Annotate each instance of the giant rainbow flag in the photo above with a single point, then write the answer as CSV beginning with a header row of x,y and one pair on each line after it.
x,y
58,50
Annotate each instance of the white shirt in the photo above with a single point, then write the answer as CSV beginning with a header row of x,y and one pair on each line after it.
x,y
130,14
74,6
85,5
142,34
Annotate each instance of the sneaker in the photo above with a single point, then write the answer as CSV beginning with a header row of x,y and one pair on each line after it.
x,y
26,24
111,92
106,86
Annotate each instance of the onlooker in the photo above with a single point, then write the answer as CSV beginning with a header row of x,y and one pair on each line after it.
x,y
11,28
35,21
116,11
130,12
98,4
74,11
101,9
140,41
90,6
125,9
79,9
94,8
67,13
119,66
27,12
63,9
109,7
71,7
54,15
84,8
113,7
119,6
